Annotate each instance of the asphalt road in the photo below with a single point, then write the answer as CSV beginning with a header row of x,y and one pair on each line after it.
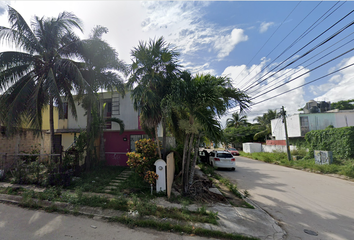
x,y
299,200
22,224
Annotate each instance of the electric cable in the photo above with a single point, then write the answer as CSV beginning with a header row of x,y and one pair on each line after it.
x,y
307,31
269,86
304,84
318,45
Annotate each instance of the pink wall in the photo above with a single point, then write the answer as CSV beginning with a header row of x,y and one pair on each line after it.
x,y
116,148
276,142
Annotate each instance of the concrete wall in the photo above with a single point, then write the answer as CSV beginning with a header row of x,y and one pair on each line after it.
x,y
292,123
276,148
24,142
252,147
344,119
317,121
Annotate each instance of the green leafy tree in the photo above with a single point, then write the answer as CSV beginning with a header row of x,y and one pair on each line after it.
x,y
154,69
265,122
41,71
343,105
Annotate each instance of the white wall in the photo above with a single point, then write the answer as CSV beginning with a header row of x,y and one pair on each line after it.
x,y
81,118
276,148
292,123
344,119
252,147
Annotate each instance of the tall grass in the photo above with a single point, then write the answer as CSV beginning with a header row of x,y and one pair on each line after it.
x,y
341,167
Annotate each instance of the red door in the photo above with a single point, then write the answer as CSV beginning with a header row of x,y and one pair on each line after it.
x,y
118,145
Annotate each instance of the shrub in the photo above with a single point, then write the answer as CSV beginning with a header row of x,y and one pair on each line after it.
x,y
142,160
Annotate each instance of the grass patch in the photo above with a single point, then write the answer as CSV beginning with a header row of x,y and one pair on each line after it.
x,y
97,179
167,226
341,167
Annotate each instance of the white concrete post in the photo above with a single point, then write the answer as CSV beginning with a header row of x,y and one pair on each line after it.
x,y
160,170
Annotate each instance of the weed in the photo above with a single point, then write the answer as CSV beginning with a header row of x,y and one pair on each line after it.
x,y
246,193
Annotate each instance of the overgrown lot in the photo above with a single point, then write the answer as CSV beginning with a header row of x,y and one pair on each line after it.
x,y
340,166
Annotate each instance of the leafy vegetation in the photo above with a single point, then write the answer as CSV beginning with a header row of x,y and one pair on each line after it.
x,y
341,167
343,105
338,140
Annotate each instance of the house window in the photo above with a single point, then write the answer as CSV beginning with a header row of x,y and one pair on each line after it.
x,y
107,112
134,138
304,124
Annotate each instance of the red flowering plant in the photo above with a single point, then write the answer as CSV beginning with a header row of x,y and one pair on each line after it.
x,y
151,177
143,159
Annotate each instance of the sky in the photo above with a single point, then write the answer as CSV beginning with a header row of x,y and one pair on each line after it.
x,y
266,48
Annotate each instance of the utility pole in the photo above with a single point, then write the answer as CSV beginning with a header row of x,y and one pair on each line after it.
x,y
283,113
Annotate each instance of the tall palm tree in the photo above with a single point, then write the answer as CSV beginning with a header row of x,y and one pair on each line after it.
x,y
41,71
265,121
154,69
204,98
100,70
236,120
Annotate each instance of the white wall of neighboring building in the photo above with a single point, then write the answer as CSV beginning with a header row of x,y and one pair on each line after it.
x,y
252,147
344,119
292,123
316,121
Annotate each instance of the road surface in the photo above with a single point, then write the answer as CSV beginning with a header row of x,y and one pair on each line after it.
x,y
299,200
22,224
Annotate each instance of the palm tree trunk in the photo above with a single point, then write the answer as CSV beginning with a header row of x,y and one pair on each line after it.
x,y
196,148
88,158
51,126
184,155
188,162
164,138
157,142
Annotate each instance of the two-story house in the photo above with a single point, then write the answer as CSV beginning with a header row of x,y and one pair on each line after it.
x,y
116,145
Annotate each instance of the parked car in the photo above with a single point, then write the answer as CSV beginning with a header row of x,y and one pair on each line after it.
x,y
233,151
222,159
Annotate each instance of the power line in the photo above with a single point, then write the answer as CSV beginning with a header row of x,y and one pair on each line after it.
x,y
304,84
304,73
279,44
268,40
269,86
323,42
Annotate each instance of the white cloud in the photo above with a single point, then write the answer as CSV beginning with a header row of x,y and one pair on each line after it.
x,y
264,26
225,44
340,86
292,100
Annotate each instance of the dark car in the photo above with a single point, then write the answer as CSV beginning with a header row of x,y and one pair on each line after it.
x,y
233,151
204,156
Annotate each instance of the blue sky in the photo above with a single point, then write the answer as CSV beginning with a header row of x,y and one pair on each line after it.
x,y
241,40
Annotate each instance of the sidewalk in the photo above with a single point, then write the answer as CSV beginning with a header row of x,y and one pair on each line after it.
x,y
249,222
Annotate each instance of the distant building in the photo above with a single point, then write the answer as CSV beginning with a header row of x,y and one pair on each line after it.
x,y
316,117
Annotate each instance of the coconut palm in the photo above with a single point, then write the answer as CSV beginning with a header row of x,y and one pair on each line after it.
x,y
265,121
41,71
153,71
236,120
100,70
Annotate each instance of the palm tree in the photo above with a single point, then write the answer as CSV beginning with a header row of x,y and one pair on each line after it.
x,y
265,121
236,120
204,98
41,71
100,70
154,69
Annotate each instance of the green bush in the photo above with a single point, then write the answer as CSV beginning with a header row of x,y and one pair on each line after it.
x,y
338,140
